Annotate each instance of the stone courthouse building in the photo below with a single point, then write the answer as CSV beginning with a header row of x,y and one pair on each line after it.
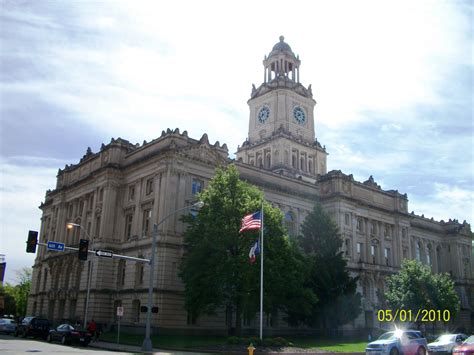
x,y
118,193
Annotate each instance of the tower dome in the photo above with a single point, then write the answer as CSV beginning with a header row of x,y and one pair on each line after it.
x,y
281,63
281,46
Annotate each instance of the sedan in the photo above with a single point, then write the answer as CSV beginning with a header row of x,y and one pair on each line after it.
x,y
67,334
7,325
465,348
406,342
445,343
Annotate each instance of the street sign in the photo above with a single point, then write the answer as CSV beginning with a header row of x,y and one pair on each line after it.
x,y
120,311
55,246
105,253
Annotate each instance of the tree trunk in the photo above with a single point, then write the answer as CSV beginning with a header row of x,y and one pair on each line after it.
x,y
238,320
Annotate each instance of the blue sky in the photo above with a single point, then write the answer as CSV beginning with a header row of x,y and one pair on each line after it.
x,y
392,81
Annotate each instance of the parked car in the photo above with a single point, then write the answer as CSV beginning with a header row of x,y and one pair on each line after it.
x,y
33,326
67,334
467,347
398,342
445,344
7,325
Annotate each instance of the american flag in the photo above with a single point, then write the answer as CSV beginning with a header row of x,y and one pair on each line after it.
x,y
251,222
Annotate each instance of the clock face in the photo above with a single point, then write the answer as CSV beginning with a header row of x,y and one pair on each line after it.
x,y
263,114
299,115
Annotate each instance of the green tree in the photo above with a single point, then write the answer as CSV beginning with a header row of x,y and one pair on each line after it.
x,y
216,269
415,288
19,292
328,278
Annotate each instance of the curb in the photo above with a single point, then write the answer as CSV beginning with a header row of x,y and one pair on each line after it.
x,y
136,349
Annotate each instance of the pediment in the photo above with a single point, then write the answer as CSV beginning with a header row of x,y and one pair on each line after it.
x,y
205,153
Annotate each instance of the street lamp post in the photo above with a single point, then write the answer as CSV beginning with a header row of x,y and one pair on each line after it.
x,y
89,276
147,344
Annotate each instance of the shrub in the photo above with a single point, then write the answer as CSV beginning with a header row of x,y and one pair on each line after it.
x,y
233,340
279,341
253,340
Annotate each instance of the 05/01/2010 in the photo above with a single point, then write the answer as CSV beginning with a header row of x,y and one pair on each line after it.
x,y
407,315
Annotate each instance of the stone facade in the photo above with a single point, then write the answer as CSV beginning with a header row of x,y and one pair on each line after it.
x,y
118,193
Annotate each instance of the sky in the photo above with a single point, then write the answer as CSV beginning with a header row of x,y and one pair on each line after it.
x,y
392,81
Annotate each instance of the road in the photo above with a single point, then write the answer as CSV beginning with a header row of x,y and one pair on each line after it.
x,y
11,345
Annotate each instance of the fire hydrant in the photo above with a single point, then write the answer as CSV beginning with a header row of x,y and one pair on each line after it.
x,y
251,349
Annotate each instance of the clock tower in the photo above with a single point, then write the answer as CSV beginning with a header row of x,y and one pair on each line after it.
x,y
281,126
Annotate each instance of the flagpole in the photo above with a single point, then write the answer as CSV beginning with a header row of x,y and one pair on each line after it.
x,y
261,277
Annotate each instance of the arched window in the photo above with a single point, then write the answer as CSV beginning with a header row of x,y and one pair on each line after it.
x,y
268,161
38,283
290,223
293,161
302,167
259,162
136,311
418,251
438,258
310,166
429,255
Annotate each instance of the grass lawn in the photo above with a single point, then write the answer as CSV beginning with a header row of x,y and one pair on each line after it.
x,y
179,341
339,345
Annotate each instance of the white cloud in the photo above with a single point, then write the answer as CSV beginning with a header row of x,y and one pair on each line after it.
x,y
447,202
22,190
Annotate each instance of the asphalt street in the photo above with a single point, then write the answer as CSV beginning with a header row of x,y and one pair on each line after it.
x,y
11,345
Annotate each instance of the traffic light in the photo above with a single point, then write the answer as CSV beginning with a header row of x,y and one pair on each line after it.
x,y
32,242
83,249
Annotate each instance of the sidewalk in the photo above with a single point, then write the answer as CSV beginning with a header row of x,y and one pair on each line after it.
x,y
133,349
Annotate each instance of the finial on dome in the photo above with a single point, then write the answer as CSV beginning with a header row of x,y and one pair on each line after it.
x,y
282,38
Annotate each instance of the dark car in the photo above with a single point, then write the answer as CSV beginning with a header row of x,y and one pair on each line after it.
x,y
67,334
7,325
33,327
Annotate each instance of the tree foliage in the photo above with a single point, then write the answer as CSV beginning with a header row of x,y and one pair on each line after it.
x,y
415,288
328,278
16,296
216,269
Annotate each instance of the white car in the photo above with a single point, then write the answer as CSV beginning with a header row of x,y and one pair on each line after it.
x,y
398,342
445,343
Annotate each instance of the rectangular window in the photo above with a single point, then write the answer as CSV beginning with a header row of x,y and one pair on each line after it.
x,y
359,248
131,193
81,207
372,252
97,226
348,247
139,273
91,201
373,228
197,186
387,256
128,225
149,187
101,194
360,225
191,319
347,219
146,223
